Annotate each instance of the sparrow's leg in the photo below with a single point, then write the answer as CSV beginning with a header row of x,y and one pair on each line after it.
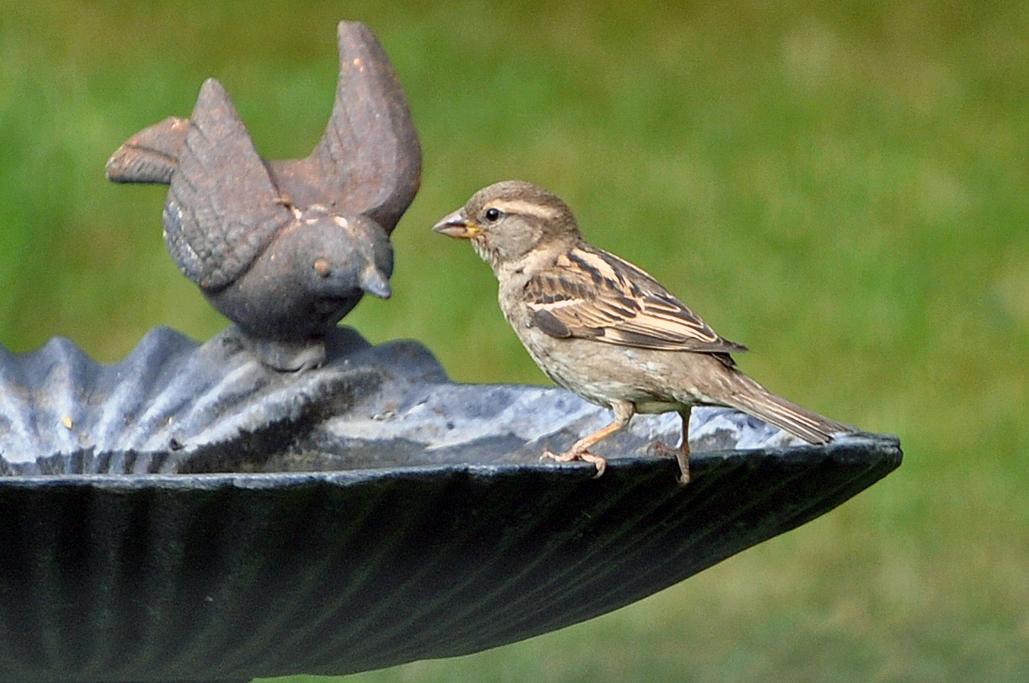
x,y
580,449
683,454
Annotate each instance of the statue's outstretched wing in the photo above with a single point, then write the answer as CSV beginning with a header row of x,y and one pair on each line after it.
x,y
369,158
222,208
368,161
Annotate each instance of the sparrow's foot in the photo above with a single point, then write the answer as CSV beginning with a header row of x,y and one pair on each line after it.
x,y
681,455
569,456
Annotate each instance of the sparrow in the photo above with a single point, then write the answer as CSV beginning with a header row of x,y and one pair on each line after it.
x,y
286,248
605,329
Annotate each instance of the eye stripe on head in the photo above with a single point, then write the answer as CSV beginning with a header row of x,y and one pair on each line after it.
x,y
525,208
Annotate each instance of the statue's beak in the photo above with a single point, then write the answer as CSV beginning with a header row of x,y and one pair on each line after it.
x,y
457,225
375,283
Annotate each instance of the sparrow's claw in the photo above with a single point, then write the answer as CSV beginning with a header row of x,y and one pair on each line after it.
x,y
661,449
559,457
569,456
681,455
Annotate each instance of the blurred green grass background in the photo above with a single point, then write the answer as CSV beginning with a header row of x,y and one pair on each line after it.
x,y
840,185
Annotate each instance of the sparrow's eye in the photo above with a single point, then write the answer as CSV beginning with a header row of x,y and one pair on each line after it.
x,y
492,214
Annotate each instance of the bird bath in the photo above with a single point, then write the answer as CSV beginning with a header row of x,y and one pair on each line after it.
x,y
192,514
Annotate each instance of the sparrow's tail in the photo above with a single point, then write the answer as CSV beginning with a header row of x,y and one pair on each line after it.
x,y
754,399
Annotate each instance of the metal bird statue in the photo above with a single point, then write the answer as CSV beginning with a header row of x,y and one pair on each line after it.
x,y
285,249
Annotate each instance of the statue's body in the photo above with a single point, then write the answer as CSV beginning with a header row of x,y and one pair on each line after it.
x,y
285,249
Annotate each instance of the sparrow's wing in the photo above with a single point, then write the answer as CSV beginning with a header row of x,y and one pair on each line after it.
x,y
222,208
369,160
591,294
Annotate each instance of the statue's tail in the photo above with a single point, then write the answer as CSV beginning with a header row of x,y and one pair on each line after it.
x,y
151,155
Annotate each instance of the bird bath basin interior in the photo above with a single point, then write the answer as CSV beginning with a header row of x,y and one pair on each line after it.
x,y
189,514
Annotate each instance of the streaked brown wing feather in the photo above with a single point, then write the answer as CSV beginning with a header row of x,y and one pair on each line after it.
x,y
591,294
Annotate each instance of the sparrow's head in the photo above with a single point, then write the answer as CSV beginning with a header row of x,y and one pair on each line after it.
x,y
507,220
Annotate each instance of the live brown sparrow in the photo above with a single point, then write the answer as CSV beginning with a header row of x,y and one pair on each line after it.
x,y
605,329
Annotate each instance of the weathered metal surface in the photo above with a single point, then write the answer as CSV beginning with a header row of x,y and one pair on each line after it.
x,y
285,249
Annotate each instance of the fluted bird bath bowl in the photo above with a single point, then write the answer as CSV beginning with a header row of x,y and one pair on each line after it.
x,y
189,514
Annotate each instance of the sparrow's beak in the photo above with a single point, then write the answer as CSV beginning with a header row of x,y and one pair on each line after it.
x,y
375,283
457,225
